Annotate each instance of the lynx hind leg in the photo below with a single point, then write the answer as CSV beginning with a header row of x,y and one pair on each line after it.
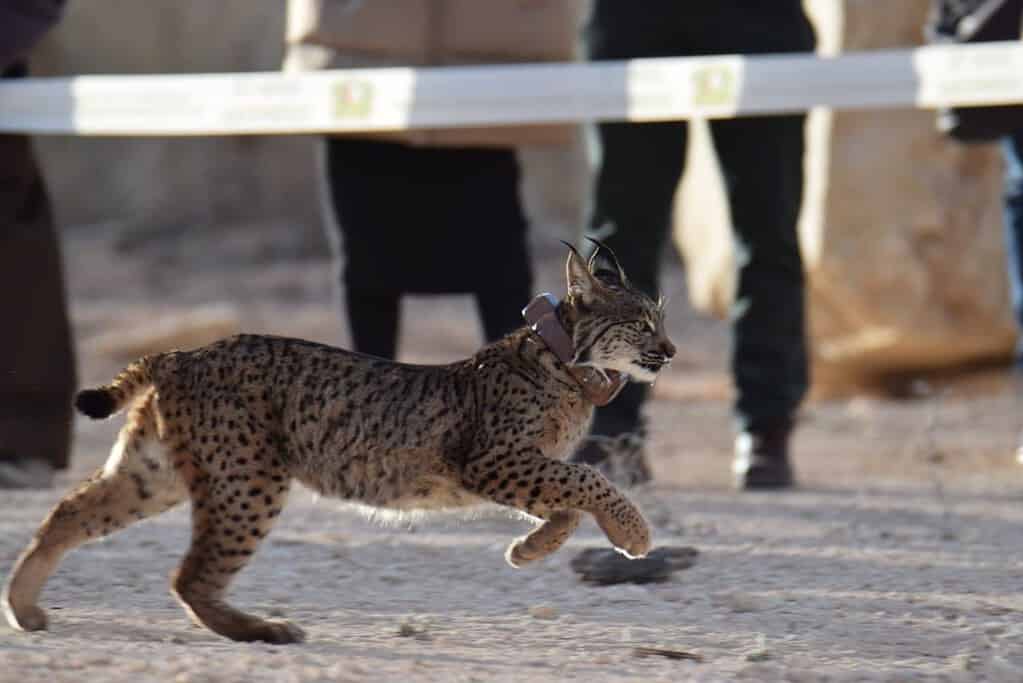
x,y
138,481
230,517
546,538
540,486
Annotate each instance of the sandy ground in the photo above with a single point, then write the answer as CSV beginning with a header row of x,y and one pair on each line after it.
x,y
900,558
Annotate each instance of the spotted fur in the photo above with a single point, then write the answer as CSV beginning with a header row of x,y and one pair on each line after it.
x,y
231,425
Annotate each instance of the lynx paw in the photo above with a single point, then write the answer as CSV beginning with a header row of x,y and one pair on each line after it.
x,y
519,554
278,632
636,548
629,534
29,618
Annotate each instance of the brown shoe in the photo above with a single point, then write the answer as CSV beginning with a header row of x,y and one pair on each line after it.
x,y
621,458
762,459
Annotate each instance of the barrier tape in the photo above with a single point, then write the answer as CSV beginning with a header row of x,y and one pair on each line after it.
x,y
409,98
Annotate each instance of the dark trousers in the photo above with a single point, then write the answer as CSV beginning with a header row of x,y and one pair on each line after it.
x,y
762,163
37,368
427,220
1012,151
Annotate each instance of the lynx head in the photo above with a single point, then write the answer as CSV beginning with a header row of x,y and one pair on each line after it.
x,y
614,326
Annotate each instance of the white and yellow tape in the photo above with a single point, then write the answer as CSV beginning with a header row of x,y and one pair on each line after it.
x,y
405,98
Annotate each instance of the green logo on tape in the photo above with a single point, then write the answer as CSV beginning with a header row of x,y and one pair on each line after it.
x,y
714,85
352,98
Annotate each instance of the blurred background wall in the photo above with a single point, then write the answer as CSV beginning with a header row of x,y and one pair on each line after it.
x,y
166,183
901,229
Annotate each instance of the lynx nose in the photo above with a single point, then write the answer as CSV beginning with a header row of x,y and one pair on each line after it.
x,y
668,349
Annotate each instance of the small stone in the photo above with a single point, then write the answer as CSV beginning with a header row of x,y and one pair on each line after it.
x,y
136,666
994,610
683,655
966,661
1001,669
543,612
411,628
995,629
738,602
759,653
42,660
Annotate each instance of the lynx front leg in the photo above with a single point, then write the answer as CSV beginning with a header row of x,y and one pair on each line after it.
x,y
531,482
550,535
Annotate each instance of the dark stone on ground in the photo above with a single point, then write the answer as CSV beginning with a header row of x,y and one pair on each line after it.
x,y
605,567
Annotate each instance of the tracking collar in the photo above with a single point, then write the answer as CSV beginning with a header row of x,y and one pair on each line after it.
x,y
542,316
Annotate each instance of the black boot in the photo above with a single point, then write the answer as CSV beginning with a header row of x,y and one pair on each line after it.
x,y
762,458
621,458
616,445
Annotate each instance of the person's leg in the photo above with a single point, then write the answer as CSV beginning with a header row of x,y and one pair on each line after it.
x,y
373,320
1012,152
639,171
639,167
500,310
1012,207
762,163
506,289
37,365
358,207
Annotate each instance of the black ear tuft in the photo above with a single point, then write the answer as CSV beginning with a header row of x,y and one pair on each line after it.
x,y
571,248
604,265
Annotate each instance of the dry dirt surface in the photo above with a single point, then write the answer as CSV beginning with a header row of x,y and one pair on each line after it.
x,y
900,557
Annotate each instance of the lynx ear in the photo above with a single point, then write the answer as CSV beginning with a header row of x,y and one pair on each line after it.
x,y
580,282
604,265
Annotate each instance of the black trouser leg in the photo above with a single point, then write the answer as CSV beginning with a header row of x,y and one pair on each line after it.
x,y
356,171
500,310
1012,153
404,217
509,285
374,321
762,163
641,164
37,364
762,159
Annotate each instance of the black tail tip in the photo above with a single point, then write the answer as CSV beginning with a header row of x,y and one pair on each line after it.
x,y
96,403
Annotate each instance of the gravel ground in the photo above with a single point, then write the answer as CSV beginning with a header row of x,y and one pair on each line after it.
x,y
900,558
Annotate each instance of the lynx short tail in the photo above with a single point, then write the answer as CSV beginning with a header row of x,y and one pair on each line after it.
x,y
104,401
